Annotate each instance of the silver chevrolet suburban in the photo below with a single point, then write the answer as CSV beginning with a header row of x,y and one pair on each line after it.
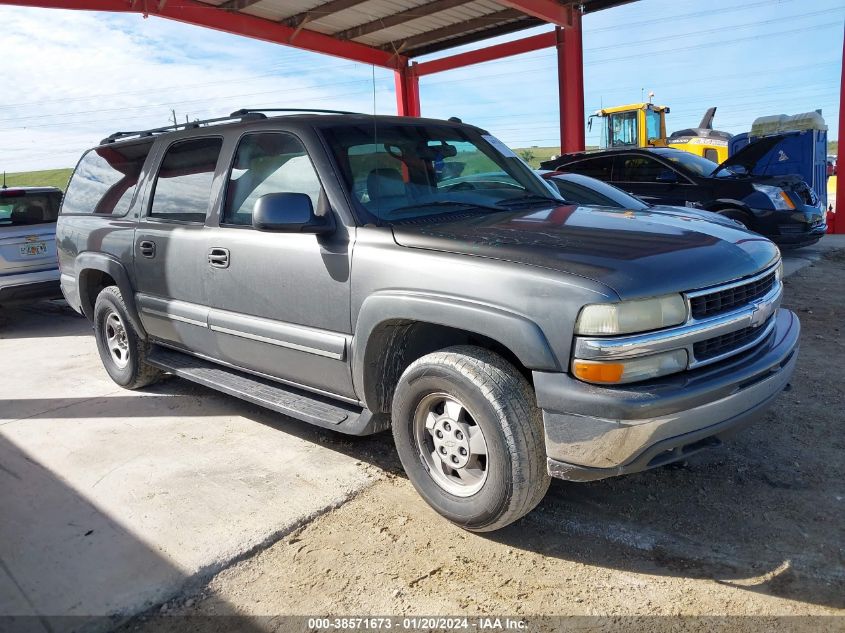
x,y
342,270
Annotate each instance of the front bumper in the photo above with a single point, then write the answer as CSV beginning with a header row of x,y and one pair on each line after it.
x,y
593,432
30,286
801,227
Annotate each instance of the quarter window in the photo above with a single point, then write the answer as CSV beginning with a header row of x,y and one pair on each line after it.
x,y
105,180
183,186
269,162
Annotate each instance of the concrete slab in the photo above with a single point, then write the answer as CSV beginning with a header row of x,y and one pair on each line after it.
x,y
111,501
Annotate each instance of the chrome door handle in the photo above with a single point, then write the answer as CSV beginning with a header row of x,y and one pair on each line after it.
x,y
218,257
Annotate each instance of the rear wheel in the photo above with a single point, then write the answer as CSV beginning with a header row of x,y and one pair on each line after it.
x,y
122,350
470,437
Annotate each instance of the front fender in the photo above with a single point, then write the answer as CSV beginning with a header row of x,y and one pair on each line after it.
x,y
114,268
520,335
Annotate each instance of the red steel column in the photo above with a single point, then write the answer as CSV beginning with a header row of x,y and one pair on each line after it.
x,y
407,90
570,74
839,227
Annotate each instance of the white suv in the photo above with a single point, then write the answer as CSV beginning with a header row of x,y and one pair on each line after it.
x,y
28,266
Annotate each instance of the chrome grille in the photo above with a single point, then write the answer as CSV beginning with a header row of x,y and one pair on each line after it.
x,y
719,345
721,301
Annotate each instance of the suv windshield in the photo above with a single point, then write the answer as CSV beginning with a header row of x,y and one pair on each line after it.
x,y
405,171
23,209
698,165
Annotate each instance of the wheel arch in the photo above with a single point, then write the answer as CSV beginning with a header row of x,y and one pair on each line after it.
x,y
728,203
95,271
394,329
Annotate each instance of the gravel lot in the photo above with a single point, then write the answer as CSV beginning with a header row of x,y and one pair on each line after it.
x,y
754,528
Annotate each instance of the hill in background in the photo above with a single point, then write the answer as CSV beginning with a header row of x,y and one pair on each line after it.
x,y
47,178
59,177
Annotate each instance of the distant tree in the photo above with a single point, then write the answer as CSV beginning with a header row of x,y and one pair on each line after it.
x,y
527,155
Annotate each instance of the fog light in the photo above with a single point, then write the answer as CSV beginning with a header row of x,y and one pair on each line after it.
x,y
631,369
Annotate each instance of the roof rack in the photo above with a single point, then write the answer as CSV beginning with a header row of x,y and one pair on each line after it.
x,y
240,115
244,114
246,111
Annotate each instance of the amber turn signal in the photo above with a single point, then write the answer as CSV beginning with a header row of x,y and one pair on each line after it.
x,y
598,372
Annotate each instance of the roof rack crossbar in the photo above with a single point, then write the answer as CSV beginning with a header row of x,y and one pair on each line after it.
x,y
240,115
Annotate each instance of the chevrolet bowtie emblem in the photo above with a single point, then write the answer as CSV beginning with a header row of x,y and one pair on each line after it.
x,y
760,312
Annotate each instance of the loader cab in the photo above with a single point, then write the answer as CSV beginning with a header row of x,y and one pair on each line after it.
x,y
633,125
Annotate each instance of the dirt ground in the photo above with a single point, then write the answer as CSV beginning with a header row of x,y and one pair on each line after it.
x,y
753,528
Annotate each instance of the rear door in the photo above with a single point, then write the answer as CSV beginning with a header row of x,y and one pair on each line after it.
x,y
169,245
28,230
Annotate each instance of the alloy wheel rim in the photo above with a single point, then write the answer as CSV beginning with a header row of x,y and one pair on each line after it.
x,y
451,444
116,341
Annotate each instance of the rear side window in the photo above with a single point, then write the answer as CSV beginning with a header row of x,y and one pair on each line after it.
x,y
183,185
22,210
105,180
600,168
639,169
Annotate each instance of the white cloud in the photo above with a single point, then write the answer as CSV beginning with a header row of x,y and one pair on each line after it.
x,y
78,77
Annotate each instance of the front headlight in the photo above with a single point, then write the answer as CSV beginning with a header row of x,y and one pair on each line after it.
x,y
777,196
631,316
630,370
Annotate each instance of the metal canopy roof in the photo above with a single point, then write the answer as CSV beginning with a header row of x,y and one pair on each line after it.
x,y
409,28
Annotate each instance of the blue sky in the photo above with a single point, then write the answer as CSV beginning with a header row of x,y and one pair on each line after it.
x,y
85,75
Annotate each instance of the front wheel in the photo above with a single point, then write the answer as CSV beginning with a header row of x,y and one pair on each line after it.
x,y
737,216
122,350
470,437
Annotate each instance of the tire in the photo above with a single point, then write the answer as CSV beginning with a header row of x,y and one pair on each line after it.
x,y
122,351
740,216
460,392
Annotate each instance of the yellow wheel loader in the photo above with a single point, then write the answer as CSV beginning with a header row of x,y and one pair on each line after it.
x,y
644,125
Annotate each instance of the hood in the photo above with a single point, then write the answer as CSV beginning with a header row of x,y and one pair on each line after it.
x,y
635,253
699,214
750,155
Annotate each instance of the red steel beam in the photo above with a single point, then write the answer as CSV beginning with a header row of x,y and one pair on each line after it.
x,y
570,68
209,16
547,10
407,91
515,47
839,223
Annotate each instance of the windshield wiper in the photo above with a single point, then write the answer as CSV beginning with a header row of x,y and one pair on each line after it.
x,y
443,203
528,199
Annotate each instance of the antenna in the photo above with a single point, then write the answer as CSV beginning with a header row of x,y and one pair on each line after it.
x,y
4,179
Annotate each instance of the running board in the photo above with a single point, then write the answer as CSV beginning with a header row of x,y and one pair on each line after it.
x,y
290,401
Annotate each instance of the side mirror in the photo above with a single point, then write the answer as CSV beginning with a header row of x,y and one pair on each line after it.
x,y
667,176
288,213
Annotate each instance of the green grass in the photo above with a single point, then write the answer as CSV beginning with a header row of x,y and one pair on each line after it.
x,y
536,155
47,178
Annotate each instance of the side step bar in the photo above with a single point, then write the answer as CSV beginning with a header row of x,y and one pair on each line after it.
x,y
290,401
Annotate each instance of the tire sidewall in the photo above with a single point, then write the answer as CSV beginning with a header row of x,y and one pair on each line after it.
x,y
486,505
106,304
